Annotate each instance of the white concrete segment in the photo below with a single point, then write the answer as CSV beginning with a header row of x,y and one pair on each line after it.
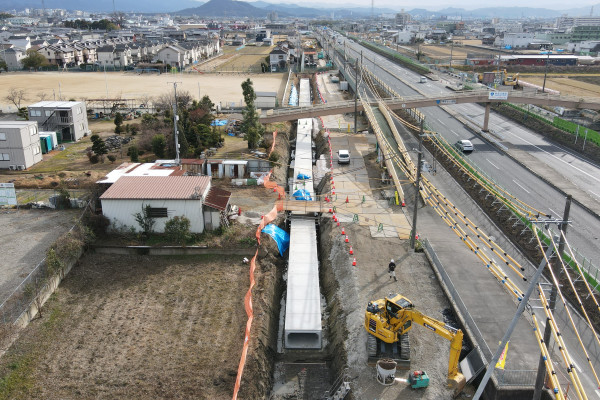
x,y
302,329
304,95
303,160
303,299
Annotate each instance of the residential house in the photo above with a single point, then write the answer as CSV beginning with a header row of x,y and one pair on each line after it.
x,y
13,57
19,144
67,118
60,54
192,197
278,59
174,55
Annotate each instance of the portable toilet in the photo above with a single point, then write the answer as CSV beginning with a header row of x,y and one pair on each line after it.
x,y
53,137
46,142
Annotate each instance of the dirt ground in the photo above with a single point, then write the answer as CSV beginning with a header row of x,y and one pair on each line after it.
x,y
565,85
127,85
134,327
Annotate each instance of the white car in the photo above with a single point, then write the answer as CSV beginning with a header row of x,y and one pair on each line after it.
x,y
464,145
343,157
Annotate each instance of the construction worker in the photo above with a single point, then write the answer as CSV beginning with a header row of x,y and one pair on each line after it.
x,y
392,269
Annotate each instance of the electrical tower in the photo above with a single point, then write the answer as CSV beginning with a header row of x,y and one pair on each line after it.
x,y
372,9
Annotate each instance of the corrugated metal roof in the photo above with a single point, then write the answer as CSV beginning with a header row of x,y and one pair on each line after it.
x,y
217,198
157,187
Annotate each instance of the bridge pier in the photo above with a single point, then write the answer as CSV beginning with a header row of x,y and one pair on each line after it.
x,y
486,117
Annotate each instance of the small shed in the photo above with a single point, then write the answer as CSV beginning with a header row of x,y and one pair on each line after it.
x,y
265,99
216,205
214,168
234,168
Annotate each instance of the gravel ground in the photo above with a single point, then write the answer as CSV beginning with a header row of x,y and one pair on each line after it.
x,y
25,236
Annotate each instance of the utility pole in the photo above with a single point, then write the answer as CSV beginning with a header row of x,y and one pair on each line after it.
x,y
541,374
452,50
355,95
490,368
413,232
199,98
175,119
546,73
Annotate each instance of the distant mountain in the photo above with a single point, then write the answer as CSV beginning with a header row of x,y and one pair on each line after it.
x,y
225,8
147,6
501,12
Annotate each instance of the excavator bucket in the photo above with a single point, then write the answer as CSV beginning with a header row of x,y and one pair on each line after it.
x,y
457,383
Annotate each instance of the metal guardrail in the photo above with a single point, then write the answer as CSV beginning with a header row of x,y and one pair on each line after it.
x,y
468,319
504,377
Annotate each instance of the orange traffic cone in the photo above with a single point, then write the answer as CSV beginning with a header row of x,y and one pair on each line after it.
x,y
347,199
417,236
274,189
351,251
354,262
333,192
326,199
403,204
338,222
343,231
330,211
347,240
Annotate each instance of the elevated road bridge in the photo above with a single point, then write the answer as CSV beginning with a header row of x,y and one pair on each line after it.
x,y
419,101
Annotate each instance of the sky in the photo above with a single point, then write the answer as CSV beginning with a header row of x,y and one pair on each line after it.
x,y
434,5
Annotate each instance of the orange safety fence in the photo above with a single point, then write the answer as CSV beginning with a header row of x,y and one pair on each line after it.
x,y
267,218
273,185
273,145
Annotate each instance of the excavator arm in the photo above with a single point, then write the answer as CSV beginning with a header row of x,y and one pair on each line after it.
x,y
387,319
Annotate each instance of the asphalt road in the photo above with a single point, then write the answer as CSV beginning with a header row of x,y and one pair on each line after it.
x,y
584,232
522,183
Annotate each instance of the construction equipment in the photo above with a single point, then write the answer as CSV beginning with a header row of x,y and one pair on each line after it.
x,y
497,77
388,320
418,379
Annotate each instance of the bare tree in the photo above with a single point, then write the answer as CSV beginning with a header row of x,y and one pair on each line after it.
x,y
165,100
42,96
16,96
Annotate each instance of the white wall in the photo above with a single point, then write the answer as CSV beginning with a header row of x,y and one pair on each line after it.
x,y
121,212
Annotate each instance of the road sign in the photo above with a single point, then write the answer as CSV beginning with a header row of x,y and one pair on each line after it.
x,y
498,96
8,196
448,101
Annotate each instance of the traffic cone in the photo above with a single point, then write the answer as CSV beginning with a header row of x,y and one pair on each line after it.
x,y
338,222
343,231
347,199
354,262
347,240
351,251
330,211
333,191
403,204
417,236
326,199
274,189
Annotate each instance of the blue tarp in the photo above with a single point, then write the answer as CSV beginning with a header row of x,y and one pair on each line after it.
x,y
281,237
219,122
302,176
302,194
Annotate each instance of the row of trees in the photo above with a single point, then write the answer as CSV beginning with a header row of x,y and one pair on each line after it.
x,y
103,24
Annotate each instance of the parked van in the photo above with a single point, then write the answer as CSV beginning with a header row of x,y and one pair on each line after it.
x,y
423,79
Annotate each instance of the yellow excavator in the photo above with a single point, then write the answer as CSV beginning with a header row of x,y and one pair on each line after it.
x,y
388,321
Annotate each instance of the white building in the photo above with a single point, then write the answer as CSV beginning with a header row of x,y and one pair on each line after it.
x,y
518,40
168,197
67,118
13,57
19,144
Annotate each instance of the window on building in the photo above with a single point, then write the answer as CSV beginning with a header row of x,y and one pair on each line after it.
x,y
2,136
48,113
157,212
4,157
35,113
36,150
32,130
79,110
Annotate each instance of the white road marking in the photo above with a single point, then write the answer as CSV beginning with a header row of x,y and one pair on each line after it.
x,y
597,392
494,165
595,194
517,183
558,158
554,212
454,132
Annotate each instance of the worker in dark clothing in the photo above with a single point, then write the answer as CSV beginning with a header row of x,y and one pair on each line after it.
x,y
392,269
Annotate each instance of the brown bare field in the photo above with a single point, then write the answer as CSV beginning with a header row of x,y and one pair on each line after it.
x,y
565,85
128,85
246,58
134,327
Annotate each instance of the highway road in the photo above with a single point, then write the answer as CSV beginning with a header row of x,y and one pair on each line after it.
x,y
512,176
584,232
